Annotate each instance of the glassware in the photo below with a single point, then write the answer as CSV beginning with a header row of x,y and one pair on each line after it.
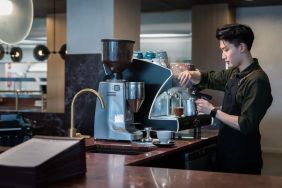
x,y
138,55
149,55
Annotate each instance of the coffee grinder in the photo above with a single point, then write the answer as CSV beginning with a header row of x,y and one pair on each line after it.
x,y
122,98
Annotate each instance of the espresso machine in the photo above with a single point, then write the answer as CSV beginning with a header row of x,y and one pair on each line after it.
x,y
138,94
171,97
122,98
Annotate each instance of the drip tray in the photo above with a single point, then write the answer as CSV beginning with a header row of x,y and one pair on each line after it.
x,y
116,151
122,149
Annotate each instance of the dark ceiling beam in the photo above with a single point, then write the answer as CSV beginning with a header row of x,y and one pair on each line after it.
x,y
44,7
155,5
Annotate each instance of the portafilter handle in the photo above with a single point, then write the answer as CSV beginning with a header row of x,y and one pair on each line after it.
x,y
201,95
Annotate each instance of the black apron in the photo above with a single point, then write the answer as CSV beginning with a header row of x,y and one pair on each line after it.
x,y
237,153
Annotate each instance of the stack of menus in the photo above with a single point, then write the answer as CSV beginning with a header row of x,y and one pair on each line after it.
x,y
42,161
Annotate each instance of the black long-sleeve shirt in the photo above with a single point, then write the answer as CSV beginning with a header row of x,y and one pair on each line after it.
x,y
248,96
253,97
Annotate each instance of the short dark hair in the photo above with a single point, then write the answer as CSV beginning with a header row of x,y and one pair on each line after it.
x,y
236,34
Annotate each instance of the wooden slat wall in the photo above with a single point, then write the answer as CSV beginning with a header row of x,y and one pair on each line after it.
x,y
56,65
206,54
127,20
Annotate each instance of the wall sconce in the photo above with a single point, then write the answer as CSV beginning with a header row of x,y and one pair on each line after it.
x,y
16,54
41,52
15,20
2,52
63,51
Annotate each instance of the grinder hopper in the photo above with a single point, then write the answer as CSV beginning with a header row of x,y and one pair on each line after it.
x,y
117,54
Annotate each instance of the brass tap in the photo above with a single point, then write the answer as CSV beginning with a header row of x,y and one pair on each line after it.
x,y
72,130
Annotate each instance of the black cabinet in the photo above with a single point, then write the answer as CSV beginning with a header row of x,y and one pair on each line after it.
x,y
199,157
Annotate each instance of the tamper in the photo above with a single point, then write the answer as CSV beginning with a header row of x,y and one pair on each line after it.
x,y
148,137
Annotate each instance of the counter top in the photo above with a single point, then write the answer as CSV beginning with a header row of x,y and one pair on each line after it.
x,y
111,170
152,152
106,170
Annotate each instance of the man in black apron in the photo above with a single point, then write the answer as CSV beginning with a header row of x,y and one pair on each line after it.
x,y
246,100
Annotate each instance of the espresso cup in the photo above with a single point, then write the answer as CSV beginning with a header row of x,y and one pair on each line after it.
x,y
164,136
178,111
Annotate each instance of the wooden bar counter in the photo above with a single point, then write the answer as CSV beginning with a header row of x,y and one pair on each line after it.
x,y
113,170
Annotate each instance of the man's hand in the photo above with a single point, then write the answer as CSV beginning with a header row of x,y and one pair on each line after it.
x,y
204,106
185,76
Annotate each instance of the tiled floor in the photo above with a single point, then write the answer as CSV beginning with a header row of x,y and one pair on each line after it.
x,y
272,164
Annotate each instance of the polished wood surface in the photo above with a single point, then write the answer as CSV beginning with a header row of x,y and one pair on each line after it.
x,y
154,152
109,170
105,170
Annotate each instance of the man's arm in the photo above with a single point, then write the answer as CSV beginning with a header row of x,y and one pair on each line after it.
x,y
257,99
255,103
210,80
230,120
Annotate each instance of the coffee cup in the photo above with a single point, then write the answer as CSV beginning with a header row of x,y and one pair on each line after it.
x,y
164,136
178,111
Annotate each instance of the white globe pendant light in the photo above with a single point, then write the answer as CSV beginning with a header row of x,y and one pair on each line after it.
x,y
16,17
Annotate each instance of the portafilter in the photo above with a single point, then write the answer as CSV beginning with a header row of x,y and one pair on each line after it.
x,y
135,95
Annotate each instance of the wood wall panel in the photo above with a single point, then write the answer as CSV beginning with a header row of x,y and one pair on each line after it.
x,y
127,21
206,54
56,65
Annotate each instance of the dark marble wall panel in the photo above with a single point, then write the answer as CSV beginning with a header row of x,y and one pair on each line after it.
x,y
49,124
82,71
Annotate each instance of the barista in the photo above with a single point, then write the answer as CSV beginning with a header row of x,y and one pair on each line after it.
x,y
246,100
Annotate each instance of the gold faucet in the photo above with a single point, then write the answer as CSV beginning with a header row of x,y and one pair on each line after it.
x,y
72,130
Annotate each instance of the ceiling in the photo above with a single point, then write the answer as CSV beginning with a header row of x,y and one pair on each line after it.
x,y
168,5
43,7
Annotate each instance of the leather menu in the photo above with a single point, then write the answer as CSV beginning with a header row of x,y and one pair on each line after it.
x,y
41,161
